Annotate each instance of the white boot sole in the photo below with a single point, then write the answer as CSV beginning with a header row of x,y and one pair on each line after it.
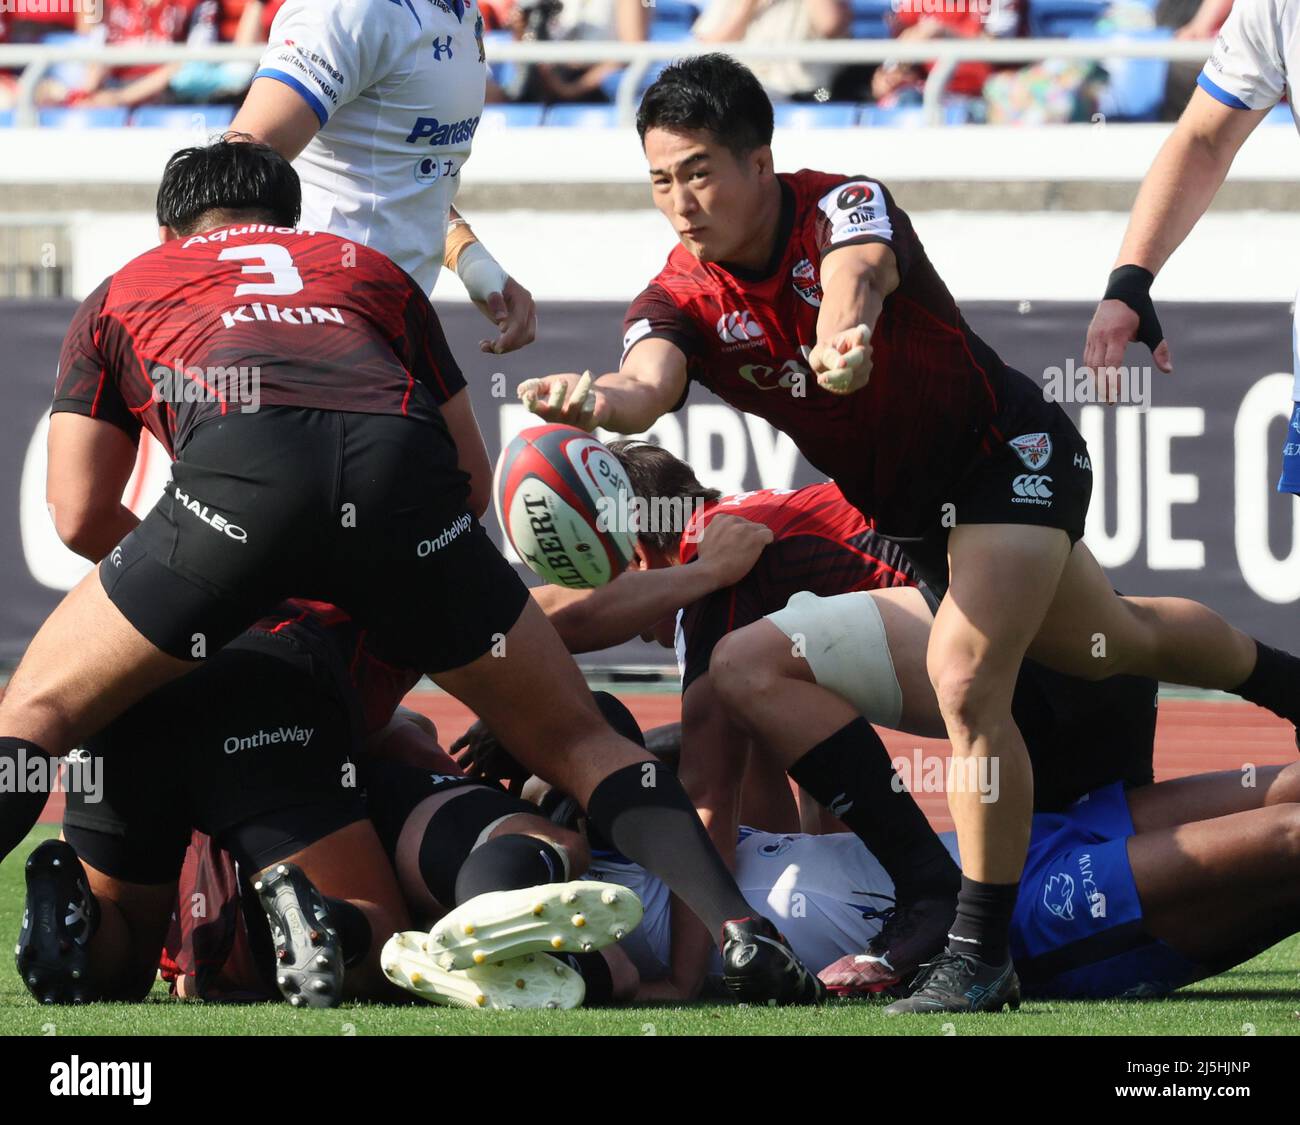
x,y
578,917
534,981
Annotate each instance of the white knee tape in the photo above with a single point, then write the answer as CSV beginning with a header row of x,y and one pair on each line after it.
x,y
843,639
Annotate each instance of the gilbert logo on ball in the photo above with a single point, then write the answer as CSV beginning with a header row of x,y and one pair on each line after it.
x,y
554,487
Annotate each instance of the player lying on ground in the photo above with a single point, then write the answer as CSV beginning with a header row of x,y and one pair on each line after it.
x,y
283,783
1111,902
871,646
808,299
342,485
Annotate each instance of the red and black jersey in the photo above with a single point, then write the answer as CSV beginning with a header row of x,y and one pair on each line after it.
x,y
248,316
922,420
820,542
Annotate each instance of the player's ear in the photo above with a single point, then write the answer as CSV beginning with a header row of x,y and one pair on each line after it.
x,y
761,161
166,234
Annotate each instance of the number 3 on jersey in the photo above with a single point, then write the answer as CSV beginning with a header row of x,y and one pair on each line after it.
x,y
267,258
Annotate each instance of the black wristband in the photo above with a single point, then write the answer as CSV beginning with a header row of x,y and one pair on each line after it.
x,y
1132,285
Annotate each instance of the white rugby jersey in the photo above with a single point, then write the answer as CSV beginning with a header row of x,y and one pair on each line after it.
x,y
398,87
1256,49
825,893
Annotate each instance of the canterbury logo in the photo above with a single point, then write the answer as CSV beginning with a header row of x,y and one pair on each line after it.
x,y
1032,486
738,328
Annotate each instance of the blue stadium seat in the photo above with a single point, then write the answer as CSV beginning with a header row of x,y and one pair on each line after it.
x,y
676,13
1280,114
816,115
868,19
518,116
668,32
582,116
201,118
6,118
87,117
1135,89
906,116
1057,19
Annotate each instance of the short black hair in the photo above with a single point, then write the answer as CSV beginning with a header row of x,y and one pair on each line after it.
x,y
668,484
713,93
239,179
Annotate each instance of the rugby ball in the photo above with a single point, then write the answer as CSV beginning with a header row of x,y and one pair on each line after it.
x,y
565,504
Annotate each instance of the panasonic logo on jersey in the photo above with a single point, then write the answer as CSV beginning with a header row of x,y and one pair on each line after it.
x,y
214,520
300,735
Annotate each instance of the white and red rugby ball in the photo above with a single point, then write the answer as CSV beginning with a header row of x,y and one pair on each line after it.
x,y
564,502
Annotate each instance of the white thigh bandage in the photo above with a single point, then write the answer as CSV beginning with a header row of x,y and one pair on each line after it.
x,y
843,639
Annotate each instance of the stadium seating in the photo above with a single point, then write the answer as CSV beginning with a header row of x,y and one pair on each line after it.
x,y
84,117
868,19
514,115
582,116
204,118
816,115
1058,19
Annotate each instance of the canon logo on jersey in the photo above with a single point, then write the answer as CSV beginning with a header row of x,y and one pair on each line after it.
x,y
1032,488
739,328
214,520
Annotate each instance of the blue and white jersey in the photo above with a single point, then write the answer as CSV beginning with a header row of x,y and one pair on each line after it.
x,y
1256,49
398,87
825,893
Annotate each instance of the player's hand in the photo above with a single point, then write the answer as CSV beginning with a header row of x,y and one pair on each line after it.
x,y
572,399
842,364
1114,326
730,547
480,755
515,315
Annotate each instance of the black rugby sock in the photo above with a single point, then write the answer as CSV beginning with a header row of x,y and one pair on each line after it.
x,y
644,812
983,922
353,928
851,774
1274,682
20,802
507,863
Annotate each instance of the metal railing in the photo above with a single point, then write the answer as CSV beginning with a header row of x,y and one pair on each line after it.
x,y
946,54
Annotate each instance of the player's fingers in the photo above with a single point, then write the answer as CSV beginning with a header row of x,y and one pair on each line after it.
x,y
1163,357
530,392
555,396
853,357
498,311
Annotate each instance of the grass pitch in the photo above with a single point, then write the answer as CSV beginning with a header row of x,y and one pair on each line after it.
x,y
1260,998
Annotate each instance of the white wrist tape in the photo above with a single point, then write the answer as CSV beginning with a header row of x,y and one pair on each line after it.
x,y
479,272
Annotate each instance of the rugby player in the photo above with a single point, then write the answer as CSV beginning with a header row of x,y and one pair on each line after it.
x,y
738,646
807,299
341,486
1111,902
377,104
1244,78
283,783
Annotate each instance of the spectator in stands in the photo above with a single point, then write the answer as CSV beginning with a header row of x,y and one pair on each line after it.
x,y
32,23
138,22
1194,19
780,21
627,21
244,23
902,83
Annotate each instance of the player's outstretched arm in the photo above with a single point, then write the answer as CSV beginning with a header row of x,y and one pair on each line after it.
x,y
498,296
638,599
90,462
1182,181
650,383
855,282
